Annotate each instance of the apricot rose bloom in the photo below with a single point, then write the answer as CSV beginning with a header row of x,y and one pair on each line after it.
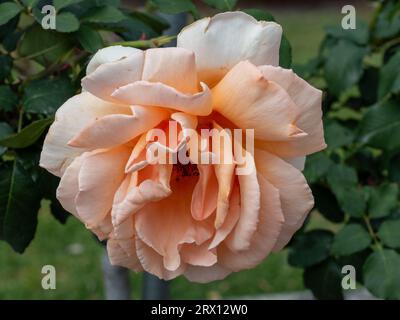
x,y
202,221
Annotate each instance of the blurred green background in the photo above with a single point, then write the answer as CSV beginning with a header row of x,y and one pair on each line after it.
x,y
76,254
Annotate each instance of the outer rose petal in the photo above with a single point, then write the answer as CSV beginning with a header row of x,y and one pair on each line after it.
x,y
264,239
241,235
249,100
99,178
198,255
116,129
71,118
308,116
109,54
174,67
206,274
295,195
119,257
109,76
160,95
153,263
222,41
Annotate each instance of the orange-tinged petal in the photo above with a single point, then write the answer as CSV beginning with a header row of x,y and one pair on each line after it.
x,y
119,257
206,274
308,116
264,239
205,193
99,178
250,101
198,255
295,195
160,95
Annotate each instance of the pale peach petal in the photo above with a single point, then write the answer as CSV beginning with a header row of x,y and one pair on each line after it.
x,y
222,41
250,101
295,195
167,224
99,178
71,118
264,239
298,162
138,195
232,218
69,186
198,255
103,229
205,193
109,76
119,257
308,115
160,95
174,67
113,130
241,235
153,263
224,171
206,274
109,54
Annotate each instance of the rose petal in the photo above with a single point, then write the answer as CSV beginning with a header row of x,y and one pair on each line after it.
x,y
308,116
198,255
71,118
206,274
119,257
160,95
113,130
99,178
222,41
250,101
295,195
264,239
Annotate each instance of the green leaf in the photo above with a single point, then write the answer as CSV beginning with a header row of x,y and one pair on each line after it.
x,y
89,39
175,6
59,4
8,10
388,23
8,98
326,203
351,239
66,22
343,66
45,96
48,184
19,205
389,81
10,41
29,3
359,35
317,165
337,135
223,5
382,200
27,136
5,130
260,14
285,53
394,168
51,47
105,14
344,184
357,260
5,66
380,126
389,233
310,248
324,280
382,274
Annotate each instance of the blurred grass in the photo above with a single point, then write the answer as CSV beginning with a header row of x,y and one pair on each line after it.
x,y
76,254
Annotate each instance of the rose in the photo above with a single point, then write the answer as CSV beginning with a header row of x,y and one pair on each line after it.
x,y
200,220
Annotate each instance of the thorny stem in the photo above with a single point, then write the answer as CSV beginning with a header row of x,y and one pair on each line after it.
x,y
372,233
151,43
